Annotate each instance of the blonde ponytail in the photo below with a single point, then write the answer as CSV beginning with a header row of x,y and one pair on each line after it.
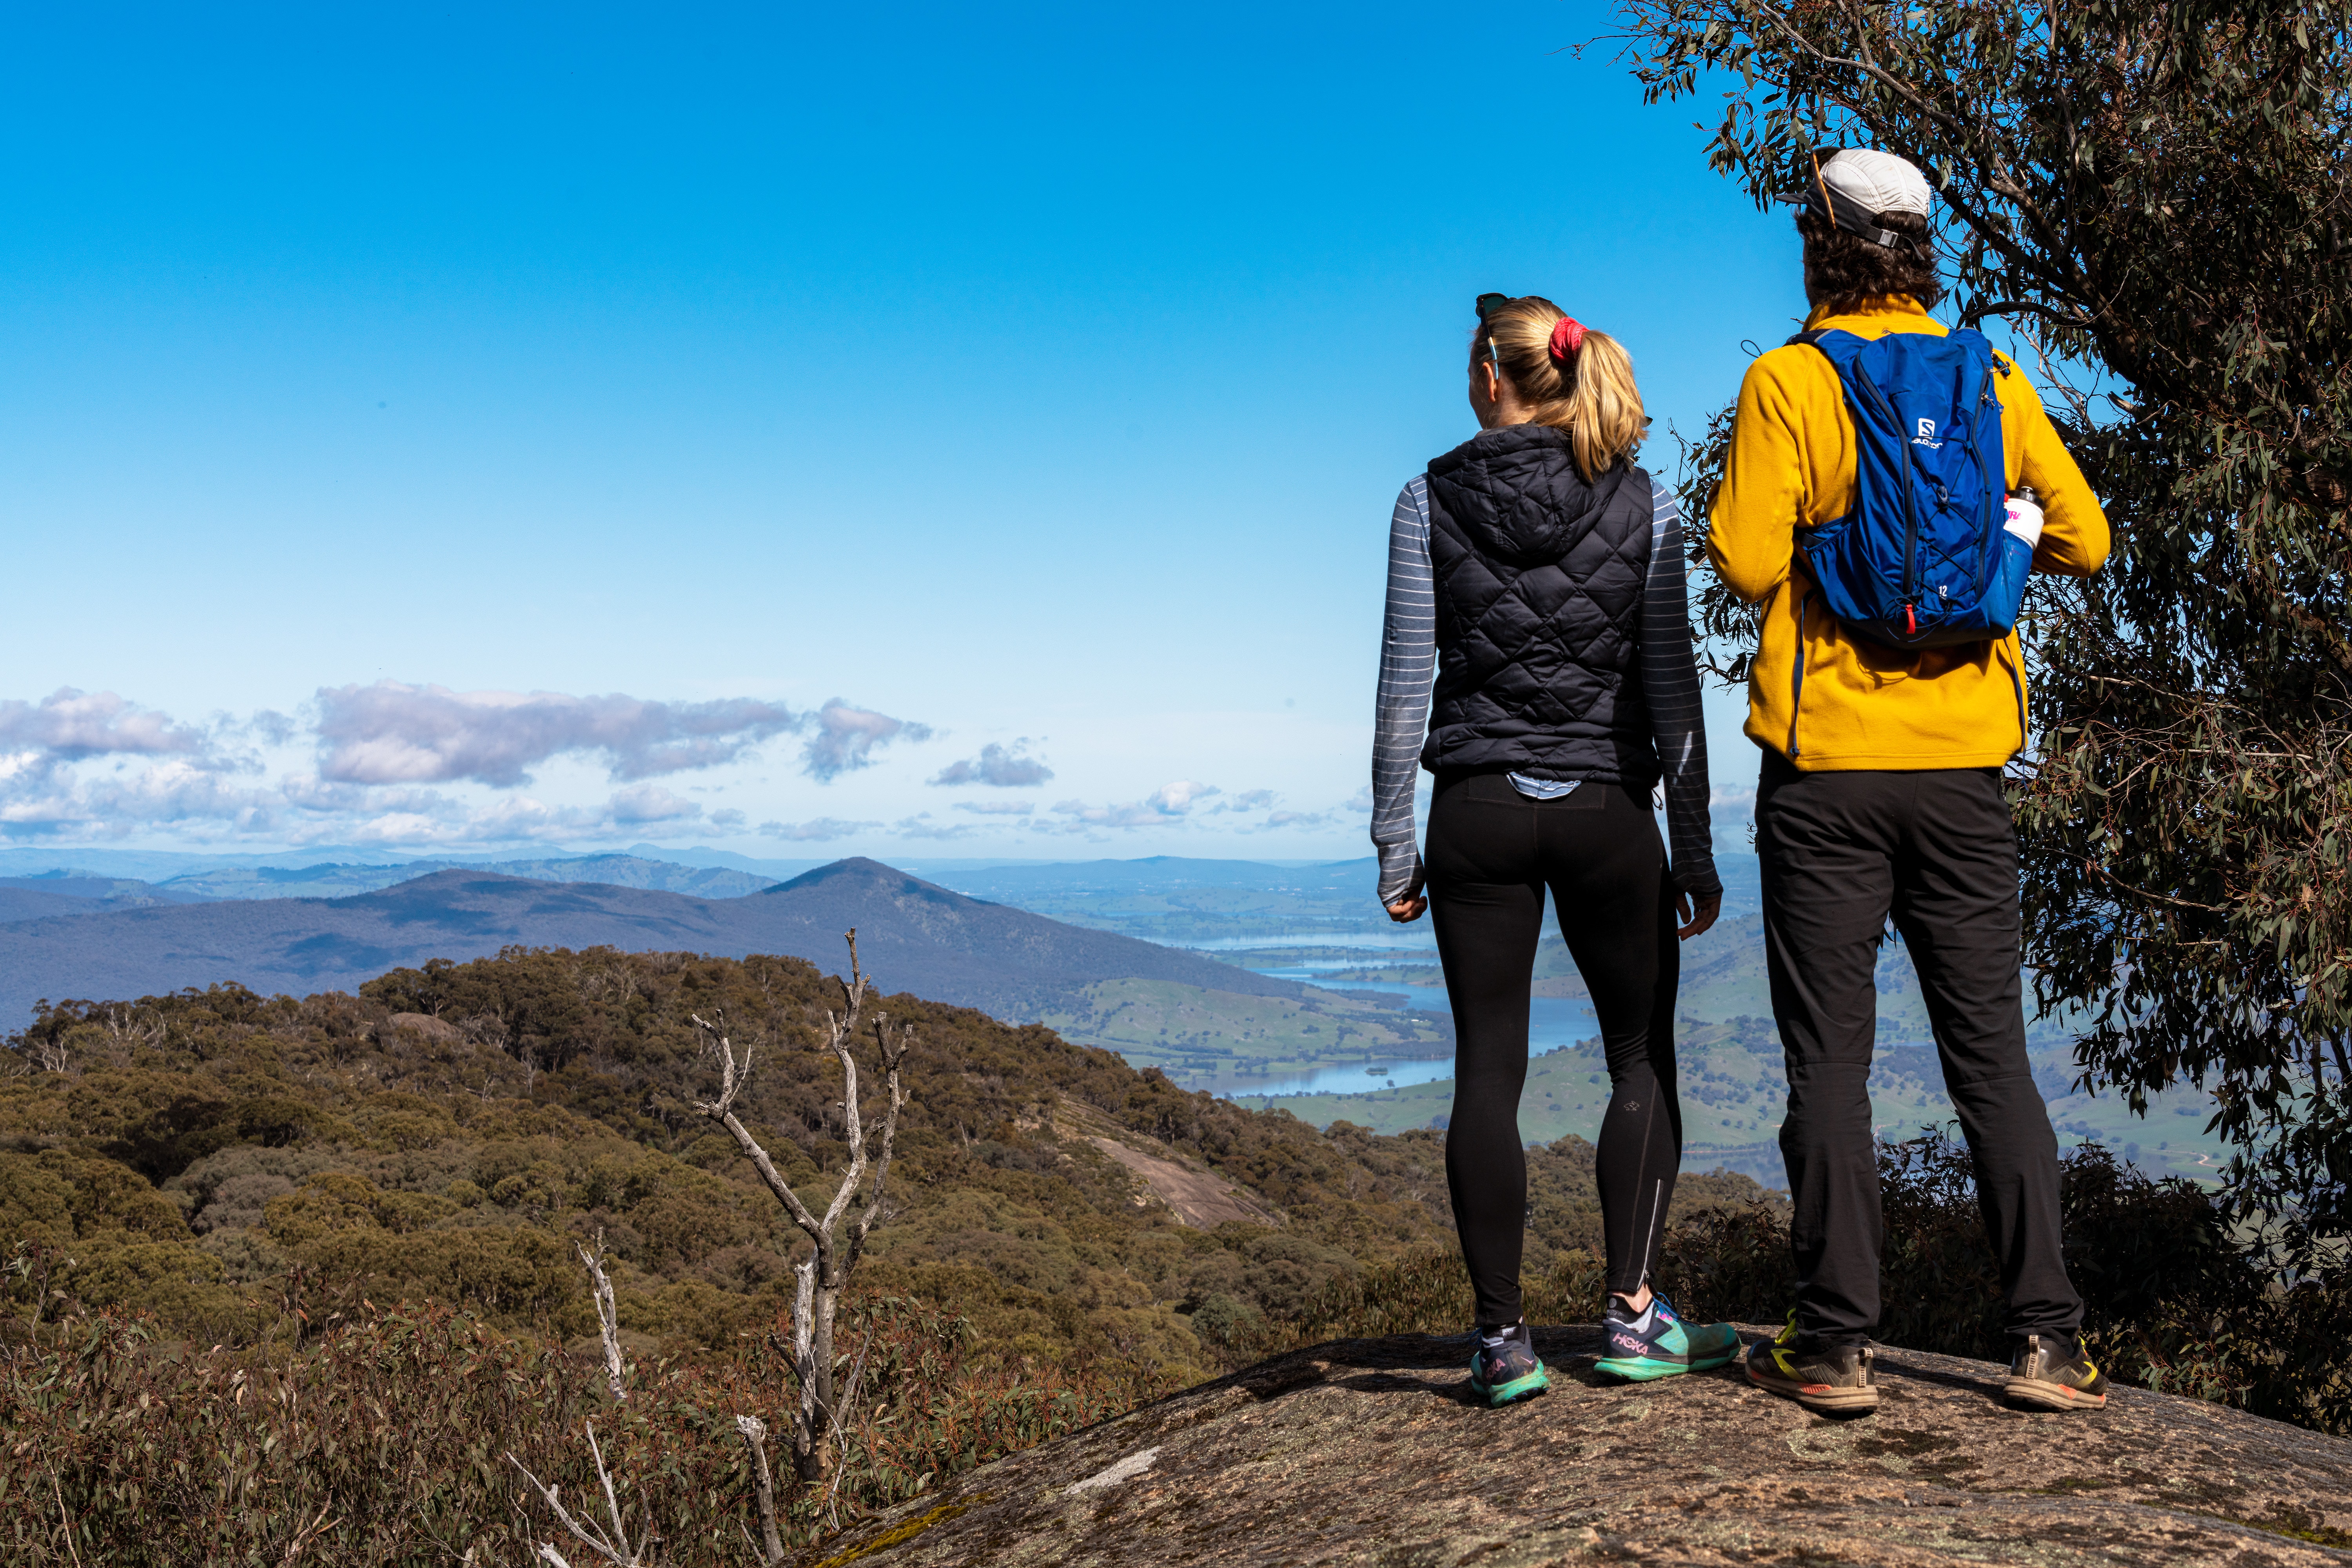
x,y
1587,389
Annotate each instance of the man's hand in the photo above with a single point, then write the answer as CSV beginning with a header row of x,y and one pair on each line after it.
x,y
1695,921
1407,909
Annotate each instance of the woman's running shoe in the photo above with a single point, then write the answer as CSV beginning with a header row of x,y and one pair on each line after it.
x,y
2053,1373
1505,1368
1832,1379
1655,1342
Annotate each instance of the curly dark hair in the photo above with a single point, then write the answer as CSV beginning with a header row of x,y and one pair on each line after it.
x,y
1843,271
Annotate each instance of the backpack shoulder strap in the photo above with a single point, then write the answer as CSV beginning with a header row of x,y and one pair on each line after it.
x,y
1838,347
1973,339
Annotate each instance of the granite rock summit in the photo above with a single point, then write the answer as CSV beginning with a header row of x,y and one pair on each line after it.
x,y
1370,1451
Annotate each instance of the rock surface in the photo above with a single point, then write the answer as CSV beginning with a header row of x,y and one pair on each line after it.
x,y
1196,1197
1370,1451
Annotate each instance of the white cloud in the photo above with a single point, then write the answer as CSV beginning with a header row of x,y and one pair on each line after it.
x,y
650,803
349,814
392,732
1165,807
996,765
1083,815
816,830
73,725
846,737
425,766
102,767
43,795
1176,799
268,725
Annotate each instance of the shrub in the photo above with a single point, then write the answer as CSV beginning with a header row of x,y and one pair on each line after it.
x,y
384,1440
1429,1292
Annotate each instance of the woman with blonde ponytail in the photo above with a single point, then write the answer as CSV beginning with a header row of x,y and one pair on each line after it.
x,y
1560,373
1536,659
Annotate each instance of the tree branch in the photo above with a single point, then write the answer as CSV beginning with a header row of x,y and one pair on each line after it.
x,y
614,1546
608,1319
755,1432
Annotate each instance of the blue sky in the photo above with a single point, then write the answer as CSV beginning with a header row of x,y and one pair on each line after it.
x,y
1028,378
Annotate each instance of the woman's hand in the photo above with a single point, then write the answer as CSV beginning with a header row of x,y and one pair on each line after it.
x,y
1407,909
1696,919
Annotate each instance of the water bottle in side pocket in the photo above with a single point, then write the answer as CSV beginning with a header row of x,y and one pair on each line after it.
x,y
2024,515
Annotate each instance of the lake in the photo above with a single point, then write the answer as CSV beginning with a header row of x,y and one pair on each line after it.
x,y
1383,941
1553,1023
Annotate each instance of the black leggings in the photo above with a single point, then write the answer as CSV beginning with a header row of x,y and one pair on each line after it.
x,y
1491,854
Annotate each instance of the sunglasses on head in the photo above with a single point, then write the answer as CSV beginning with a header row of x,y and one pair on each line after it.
x,y
1491,302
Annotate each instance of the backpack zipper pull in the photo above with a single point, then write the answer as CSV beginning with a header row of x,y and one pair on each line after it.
x,y
1911,621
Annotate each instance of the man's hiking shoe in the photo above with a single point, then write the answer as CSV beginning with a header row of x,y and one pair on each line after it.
x,y
2052,1374
1505,1368
1832,1379
1655,1342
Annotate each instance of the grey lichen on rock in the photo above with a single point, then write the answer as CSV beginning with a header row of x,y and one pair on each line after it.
x,y
1126,1469
1371,1451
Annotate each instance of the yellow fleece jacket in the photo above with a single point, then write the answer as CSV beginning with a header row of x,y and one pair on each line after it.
x,y
1791,466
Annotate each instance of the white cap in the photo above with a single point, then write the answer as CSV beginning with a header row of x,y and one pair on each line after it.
x,y
1854,186
1878,182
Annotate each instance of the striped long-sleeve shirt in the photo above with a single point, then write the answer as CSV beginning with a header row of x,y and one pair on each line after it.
x,y
1409,668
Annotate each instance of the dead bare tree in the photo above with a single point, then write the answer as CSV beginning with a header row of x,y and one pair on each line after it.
x,y
755,1432
820,1277
608,1318
50,1050
610,1543
130,1028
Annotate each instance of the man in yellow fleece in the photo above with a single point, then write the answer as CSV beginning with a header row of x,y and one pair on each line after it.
x,y
1881,795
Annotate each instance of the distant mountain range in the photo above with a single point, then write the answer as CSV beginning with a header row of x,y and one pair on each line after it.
x,y
339,880
158,867
30,897
913,935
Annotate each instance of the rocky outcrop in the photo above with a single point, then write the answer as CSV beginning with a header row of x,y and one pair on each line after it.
x,y
1195,1196
1370,1451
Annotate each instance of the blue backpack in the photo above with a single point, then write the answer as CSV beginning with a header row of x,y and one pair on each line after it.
x,y
1922,559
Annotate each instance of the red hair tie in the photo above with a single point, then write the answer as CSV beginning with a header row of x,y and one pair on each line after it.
x,y
1567,337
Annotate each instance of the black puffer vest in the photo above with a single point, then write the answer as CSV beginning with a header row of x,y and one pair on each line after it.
x,y
1539,579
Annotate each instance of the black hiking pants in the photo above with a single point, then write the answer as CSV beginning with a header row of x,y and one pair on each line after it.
x,y
1492,853
1935,850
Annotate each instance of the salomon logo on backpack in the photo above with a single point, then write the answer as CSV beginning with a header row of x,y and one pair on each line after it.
x,y
1922,561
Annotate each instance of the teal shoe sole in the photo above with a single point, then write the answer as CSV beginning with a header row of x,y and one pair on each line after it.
x,y
1511,1393
1649,1368
1640,1369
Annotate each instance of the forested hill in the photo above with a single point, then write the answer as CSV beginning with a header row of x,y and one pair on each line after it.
x,y
450,1130
943,945
934,942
